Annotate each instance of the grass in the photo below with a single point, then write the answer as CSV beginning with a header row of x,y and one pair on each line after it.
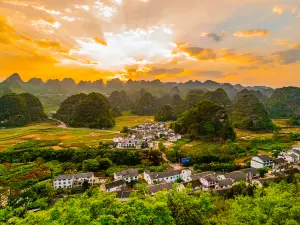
x,y
69,137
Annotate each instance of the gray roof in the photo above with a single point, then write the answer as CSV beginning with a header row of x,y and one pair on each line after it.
x,y
279,161
200,175
64,177
237,175
225,182
265,180
210,178
264,158
195,183
169,173
160,187
114,184
129,172
293,156
83,175
250,170
296,151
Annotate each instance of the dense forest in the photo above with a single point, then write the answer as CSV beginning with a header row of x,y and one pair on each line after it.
x,y
81,110
19,110
275,203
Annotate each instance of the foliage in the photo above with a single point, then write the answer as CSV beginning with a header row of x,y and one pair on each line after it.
x,y
166,113
284,101
218,96
206,119
248,113
146,106
82,110
120,100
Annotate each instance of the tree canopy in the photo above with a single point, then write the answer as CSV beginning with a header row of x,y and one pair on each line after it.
x,y
166,113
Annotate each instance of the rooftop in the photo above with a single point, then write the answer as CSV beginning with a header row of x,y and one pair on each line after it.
x,y
114,184
264,158
160,187
129,172
64,177
169,173
83,175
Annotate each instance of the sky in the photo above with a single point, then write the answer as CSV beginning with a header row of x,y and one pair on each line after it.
x,y
250,42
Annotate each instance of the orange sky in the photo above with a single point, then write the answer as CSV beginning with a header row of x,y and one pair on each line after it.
x,y
251,42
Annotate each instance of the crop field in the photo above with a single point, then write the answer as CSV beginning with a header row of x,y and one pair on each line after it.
x,y
68,137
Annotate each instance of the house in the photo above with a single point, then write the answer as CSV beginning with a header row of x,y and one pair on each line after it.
x,y
279,165
127,144
261,161
202,174
209,182
63,181
115,186
127,175
194,184
124,195
262,181
226,183
251,173
81,177
160,187
167,176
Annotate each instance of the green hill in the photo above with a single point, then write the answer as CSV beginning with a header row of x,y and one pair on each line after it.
x,y
218,96
248,113
83,110
166,113
120,100
206,119
284,101
146,106
19,110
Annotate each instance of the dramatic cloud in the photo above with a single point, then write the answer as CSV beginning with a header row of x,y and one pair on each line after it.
x,y
210,74
288,56
252,33
155,71
278,10
214,36
201,53
281,42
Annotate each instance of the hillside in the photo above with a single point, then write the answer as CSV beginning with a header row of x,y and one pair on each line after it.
x,y
206,119
166,113
284,101
218,96
19,110
83,110
119,99
146,106
248,113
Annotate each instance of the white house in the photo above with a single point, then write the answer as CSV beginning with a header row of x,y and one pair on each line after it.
x,y
209,182
168,176
127,175
261,161
63,181
81,177
127,143
115,186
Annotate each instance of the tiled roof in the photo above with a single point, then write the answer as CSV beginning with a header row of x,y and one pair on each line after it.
x,y
129,172
83,175
114,184
64,177
157,175
160,187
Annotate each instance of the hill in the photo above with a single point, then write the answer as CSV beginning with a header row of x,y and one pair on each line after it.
x,y
218,96
146,106
19,110
166,113
284,101
119,99
206,119
83,110
248,113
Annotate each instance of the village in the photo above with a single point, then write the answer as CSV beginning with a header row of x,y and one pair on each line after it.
x,y
123,182
146,136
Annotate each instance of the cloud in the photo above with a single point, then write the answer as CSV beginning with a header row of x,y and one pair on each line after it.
x,y
47,43
201,53
281,42
214,36
288,56
247,58
211,74
294,10
155,71
46,25
295,46
278,10
252,33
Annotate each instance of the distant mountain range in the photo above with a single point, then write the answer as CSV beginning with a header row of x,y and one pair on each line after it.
x,y
14,83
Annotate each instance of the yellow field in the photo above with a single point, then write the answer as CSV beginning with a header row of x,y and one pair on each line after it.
x,y
70,137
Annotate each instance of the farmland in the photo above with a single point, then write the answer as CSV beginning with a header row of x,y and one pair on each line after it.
x,y
69,137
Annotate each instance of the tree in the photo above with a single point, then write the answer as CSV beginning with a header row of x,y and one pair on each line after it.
x,y
90,165
166,113
125,130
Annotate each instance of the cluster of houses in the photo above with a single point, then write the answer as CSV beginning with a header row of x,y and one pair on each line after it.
x,y
146,136
208,180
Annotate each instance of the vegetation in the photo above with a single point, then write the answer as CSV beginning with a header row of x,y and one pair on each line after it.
x,y
166,113
120,100
295,118
19,110
146,106
284,101
93,111
248,113
206,119
218,96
